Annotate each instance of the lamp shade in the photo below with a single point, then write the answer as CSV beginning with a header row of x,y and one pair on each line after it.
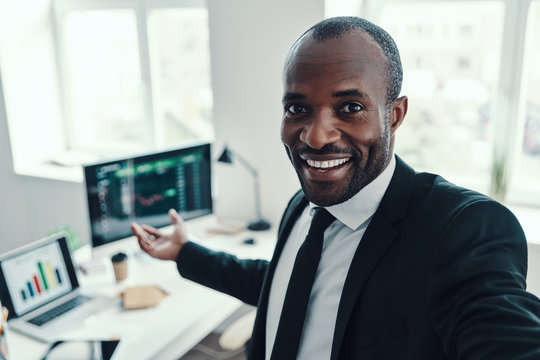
x,y
225,156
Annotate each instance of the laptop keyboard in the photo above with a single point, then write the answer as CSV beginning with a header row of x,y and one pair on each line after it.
x,y
58,310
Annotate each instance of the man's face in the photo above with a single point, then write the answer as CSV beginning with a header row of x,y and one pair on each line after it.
x,y
335,127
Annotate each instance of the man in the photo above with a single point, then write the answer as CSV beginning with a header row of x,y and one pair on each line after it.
x,y
412,267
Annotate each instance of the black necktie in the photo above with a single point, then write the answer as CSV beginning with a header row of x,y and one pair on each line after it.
x,y
291,322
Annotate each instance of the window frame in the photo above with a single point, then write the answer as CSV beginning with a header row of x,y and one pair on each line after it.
x,y
142,10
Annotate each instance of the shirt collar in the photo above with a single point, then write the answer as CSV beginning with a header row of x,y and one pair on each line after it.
x,y
355,211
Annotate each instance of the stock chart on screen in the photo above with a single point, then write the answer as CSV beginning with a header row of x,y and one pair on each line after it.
x,y
144,188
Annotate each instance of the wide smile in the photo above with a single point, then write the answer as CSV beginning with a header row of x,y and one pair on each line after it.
x,y
326,165
325,168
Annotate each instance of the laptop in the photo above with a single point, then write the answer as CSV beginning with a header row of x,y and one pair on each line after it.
x,y
38,284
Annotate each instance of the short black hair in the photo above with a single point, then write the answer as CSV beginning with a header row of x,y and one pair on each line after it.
x,y
337,26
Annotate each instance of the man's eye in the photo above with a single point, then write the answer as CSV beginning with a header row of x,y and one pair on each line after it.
x,y
352,108
295,109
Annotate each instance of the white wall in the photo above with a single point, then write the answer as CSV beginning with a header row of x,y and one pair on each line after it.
x,y
533,275
12,200
248,51
249,41
32,207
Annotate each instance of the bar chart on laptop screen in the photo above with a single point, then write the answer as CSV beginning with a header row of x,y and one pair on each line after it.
x,y
36,277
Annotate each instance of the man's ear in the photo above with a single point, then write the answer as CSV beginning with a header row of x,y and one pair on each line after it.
x,y
398,112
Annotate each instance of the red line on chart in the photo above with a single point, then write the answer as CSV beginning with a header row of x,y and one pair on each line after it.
x,y
151,200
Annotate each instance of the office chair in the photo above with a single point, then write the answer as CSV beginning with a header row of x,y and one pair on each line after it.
x,y
233,340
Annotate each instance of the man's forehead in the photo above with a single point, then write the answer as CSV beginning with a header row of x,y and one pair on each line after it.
x,y
354,43
349,57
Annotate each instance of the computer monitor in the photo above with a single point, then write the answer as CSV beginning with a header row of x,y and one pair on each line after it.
x,y
143,188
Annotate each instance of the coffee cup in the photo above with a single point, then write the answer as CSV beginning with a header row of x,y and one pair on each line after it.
x,y
120,266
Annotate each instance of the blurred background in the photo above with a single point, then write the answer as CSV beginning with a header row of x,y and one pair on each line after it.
x,y
82,80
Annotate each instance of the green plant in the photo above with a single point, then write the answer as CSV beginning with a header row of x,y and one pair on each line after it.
x,y
499,179
72,238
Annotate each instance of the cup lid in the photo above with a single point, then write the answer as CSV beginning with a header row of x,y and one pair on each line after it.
x,y
120,256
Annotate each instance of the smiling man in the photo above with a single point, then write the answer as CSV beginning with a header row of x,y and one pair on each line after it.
x,y
373,260
341,110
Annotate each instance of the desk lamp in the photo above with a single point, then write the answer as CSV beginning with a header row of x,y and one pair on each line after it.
x,y
226,157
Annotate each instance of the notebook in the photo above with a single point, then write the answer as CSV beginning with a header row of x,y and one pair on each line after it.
x,y
39,286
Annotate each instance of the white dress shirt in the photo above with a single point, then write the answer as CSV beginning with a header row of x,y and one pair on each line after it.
x,y
341,239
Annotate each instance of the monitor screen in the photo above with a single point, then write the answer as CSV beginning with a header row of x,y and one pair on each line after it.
x,y
144,188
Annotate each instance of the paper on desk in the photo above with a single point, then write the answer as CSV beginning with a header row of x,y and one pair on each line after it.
x,y
144,296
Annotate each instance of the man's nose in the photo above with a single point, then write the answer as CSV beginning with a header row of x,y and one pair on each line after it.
x,y
320,131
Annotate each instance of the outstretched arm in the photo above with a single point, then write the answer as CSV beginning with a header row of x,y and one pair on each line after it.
x,y
480,306
220,271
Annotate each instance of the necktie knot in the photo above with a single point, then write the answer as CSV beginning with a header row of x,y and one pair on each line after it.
x,y
321,220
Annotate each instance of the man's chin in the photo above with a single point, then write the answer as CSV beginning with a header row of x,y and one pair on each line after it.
x,y
324,197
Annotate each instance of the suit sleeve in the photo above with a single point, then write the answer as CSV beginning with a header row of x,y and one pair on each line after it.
x,y
478,301
222,272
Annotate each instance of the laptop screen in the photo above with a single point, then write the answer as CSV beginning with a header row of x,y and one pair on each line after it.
x,y
36,274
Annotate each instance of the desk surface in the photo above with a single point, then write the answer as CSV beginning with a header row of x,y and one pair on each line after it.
x,y
170,329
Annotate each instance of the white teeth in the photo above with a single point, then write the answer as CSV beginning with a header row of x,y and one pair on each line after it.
x,y
327,163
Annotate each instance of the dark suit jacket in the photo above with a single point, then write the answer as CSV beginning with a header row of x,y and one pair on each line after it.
x,y
439,274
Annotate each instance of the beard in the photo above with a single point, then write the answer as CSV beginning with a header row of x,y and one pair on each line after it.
x,y
364,170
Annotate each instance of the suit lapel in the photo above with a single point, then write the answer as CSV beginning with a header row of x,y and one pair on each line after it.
x,y
378,238
293,211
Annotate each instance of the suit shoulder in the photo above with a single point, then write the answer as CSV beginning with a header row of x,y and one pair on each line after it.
x,y
438,194
457,211
298,199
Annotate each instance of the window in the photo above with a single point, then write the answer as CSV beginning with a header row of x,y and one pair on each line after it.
x,y
448,77
526,175
103,88
181,74
90,79
136,74
471,77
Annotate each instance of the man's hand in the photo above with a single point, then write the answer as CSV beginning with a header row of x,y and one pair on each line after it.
x,y
159,245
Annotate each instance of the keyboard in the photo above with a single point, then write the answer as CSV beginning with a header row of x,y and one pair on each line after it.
x,y
58,310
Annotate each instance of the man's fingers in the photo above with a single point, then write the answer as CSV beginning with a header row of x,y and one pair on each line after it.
x,y
137,230
175,218
151,230
142,236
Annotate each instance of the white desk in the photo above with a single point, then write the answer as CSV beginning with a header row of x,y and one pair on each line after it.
x,y
168,330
